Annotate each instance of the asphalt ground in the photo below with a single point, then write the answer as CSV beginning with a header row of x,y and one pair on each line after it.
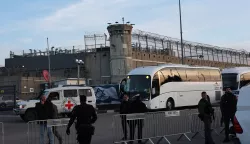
x,y
15,131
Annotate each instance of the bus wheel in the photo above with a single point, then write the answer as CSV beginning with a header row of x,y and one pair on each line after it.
x,y
170,104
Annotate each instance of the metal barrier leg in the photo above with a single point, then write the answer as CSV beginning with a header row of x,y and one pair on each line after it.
x,y
165,138
197,134
185,136
222,130
215,131
149,140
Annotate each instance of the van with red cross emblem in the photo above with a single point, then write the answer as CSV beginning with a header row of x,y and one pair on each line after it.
x,y
65,98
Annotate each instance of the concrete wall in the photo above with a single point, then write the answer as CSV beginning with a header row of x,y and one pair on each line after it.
x,y
98,66
146,59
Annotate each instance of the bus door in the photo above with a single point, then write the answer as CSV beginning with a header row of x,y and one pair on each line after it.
x,y
155,99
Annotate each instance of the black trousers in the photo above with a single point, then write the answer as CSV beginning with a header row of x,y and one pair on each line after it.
x,y
124,126
207,124
84,138
132,125
227,119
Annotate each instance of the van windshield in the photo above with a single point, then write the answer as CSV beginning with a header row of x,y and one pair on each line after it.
x,y
45,92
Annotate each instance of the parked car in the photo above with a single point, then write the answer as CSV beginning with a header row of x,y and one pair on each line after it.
x,y
7,101
242,117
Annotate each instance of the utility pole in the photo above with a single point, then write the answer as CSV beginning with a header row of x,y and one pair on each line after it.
x,y
182,52
79,63
49,61
78,74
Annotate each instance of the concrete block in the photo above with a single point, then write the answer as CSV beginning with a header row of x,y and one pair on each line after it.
x,y
153,57
167,58
138,55
145,56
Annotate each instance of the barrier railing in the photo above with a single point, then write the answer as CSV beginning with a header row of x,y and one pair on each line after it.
x,y
159,126
50,131
197,126
2,133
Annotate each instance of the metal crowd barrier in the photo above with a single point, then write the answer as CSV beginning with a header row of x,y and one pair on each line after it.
x,y
197,126
53,131
2,133
159,126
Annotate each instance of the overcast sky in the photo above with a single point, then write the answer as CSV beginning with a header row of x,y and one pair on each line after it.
x,y
26,24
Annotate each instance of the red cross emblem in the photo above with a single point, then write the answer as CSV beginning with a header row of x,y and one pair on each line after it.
x,y
69,105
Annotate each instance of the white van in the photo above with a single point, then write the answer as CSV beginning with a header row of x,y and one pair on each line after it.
x,y
65,98
242,116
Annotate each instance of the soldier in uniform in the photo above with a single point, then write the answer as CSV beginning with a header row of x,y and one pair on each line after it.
x,y
205,114
86,116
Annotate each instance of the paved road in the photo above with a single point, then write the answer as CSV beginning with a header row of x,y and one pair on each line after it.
x,y
16,131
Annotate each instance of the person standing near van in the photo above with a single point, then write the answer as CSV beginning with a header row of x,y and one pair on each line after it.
x,y
53,114
124,109
42,115
86,116
205,114
137,106
228,105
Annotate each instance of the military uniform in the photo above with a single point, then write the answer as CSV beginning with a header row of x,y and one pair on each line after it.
x,y
86,116
205,114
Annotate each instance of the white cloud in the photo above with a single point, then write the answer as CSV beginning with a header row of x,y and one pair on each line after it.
x,y
25,40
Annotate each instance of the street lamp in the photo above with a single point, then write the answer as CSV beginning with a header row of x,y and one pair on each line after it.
x,y
182,52
79,63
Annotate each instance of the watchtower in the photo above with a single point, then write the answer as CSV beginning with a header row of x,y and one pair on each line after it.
x,y
120,50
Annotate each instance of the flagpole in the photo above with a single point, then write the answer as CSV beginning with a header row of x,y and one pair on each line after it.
x,y
49,61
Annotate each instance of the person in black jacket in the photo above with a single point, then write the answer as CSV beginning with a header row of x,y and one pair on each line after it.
x,y
86,116
228,105
137,106
53,114
42,116
124,109
205,114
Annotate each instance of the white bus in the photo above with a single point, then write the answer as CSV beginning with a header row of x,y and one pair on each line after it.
x,y
173,85
235,78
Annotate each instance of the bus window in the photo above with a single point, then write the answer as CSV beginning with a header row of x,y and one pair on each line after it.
x,y
162,78
205,74
215,75
244,79
155,86
192,75
182,74
167,75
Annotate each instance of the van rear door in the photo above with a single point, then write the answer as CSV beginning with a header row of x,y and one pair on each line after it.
x,y
89,92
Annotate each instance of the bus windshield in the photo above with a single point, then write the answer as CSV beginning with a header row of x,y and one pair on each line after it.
x,y
230,80
138,84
